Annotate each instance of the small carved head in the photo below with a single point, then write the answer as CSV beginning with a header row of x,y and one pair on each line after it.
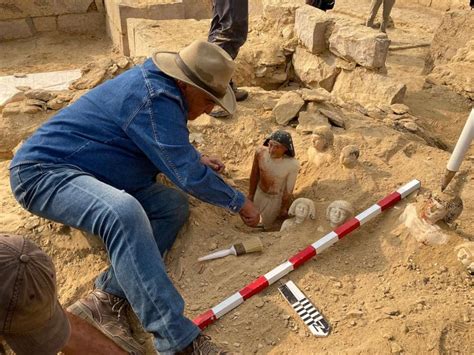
x,y
349,156
338,212
322,138
302,208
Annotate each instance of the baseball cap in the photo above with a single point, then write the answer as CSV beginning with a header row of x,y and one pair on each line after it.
x,y
31,319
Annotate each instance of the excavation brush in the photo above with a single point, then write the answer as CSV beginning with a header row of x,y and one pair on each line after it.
x,y
248,246
262,282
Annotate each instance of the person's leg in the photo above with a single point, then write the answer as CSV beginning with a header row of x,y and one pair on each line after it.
x,y
229,26
168,210
229,29
387,8
374,8
74,198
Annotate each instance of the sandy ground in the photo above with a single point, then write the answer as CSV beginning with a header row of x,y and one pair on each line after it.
x,y
381,290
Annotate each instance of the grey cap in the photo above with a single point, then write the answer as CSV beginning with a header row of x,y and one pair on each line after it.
x,y
31,319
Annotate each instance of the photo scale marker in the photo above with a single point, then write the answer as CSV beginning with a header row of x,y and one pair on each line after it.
x,y
315,321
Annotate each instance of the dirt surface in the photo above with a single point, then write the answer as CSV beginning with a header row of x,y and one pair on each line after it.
x,y
381,290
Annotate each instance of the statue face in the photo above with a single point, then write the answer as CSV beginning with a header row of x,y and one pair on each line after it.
x,y
337,216
276,149
301,210
319,142
433,211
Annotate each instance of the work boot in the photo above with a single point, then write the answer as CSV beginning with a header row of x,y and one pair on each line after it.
x,y
108,313
240,94
202,345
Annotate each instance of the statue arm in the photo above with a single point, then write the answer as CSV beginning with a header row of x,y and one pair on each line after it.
x,y
254,177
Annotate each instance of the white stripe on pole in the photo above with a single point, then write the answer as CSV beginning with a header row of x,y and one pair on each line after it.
x,y
228,304
325,242
369,213
278,272
407,189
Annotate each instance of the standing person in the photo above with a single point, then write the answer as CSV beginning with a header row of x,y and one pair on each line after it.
x,y
31,319
374,8
273,177
229,29
93,166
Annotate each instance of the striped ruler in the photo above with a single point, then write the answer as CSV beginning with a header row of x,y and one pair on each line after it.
x,y
314,320
262,282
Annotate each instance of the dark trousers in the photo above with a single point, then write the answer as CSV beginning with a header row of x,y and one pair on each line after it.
x,y
229,26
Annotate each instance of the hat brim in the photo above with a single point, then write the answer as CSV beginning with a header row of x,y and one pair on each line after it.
x,y
166,62
49,339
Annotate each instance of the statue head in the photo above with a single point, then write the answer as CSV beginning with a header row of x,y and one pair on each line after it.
x,y
302,208
322,138
465,254
441,207
349,156
338,212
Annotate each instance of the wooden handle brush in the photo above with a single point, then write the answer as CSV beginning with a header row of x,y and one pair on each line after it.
x,y
249,246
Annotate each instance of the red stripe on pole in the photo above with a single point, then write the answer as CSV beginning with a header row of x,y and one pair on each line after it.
x,y
203,320
389,201
254,287
303,256
347,227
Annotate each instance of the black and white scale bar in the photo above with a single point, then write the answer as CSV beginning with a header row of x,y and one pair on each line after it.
x,y
303,307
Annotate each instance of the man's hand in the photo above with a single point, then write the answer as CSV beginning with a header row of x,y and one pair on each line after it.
x,y
249,214
214,163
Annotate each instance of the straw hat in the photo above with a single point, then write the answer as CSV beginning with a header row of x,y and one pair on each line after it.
x,y
205,66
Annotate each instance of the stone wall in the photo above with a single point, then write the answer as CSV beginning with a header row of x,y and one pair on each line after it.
x,y
120,12
22,19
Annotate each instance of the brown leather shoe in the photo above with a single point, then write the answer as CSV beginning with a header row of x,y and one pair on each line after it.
x,y
202,345
108,313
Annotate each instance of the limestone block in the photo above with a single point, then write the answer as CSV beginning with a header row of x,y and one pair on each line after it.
x,y
40,94
458,74
148,36
367,87
309,121
315,95
287,107
315,71
311,27
281,12
360,44
120,11
92,22
262,62
45,23
14,9
14,29
454,32
197,9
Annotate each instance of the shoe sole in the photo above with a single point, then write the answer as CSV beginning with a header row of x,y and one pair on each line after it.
x,y
81,311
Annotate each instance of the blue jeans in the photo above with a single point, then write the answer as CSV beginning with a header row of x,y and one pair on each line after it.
x,y
136,230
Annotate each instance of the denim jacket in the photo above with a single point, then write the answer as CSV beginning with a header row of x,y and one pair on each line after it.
x,y
124,132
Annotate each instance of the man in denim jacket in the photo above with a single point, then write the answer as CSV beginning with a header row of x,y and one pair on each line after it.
x,y
93,167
